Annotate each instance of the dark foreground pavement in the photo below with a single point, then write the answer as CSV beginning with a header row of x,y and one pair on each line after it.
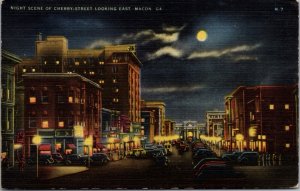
x,y
144,174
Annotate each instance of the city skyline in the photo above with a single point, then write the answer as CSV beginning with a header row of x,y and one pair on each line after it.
x,y
248,44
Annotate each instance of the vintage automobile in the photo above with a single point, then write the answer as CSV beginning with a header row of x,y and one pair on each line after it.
x,y
248,158
99,159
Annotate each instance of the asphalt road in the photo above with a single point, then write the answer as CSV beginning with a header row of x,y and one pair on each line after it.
x,y
144,174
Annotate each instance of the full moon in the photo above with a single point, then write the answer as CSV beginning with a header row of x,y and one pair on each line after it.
x,y
201,36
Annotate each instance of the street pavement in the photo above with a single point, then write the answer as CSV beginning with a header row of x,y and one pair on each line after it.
x,y
144,174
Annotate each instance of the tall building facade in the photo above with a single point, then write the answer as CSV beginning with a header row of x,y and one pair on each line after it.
x,y
215,123
148,125
265,116
159,109
169,127
64,109
8,129
115,68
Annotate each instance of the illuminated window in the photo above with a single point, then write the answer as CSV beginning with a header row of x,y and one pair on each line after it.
x,y
45,62
61,124
101,62
57,62
45,124
143,120
92,72
115,100
101,81
84,62
70,99
114,80
33,69
32,99
24,70
287,128
117,90
286,106
76,63
287,145
271,107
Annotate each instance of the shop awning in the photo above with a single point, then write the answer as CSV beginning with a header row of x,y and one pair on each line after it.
x,y
71,146
45,147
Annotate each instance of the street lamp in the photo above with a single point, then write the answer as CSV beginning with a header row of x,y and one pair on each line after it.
x,y
88,142
125,141
37,141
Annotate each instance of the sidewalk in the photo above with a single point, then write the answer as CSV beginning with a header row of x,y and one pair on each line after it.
x,y
13,175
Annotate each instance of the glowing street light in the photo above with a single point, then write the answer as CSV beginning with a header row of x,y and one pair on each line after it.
x,y
239,137
37,141
89,143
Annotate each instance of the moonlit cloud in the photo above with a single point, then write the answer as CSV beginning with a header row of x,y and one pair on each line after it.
x,y
224,52
98,43
170,35
244,58
167,50
147,36
172,89
169,28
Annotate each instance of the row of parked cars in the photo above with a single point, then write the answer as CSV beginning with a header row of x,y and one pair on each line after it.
x,y
208,165
243,158
72,159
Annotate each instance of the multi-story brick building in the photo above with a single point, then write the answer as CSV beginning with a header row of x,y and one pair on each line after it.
x,y
215,123
159,109
265,116
169,127
148,123
64,109
115,68
8,130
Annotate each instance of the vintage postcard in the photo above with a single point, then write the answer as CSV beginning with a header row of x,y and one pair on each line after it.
x,y
149,94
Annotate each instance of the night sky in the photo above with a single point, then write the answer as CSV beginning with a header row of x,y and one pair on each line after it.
x,y
249,43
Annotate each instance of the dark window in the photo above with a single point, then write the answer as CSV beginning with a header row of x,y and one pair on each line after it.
x,y
114,69
32,122
45,97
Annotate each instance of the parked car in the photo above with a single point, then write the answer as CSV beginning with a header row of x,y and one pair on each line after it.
x,y
168,147
195,149
75,159
183,147
139,153
202,161
44,159
154,152
161,147
248,158
149,146
232,157
197,144
215,169
201,154
99,159
59,159
161,160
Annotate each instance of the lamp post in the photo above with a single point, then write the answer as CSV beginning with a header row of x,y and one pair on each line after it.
x,y
125,140
37,141
88,142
